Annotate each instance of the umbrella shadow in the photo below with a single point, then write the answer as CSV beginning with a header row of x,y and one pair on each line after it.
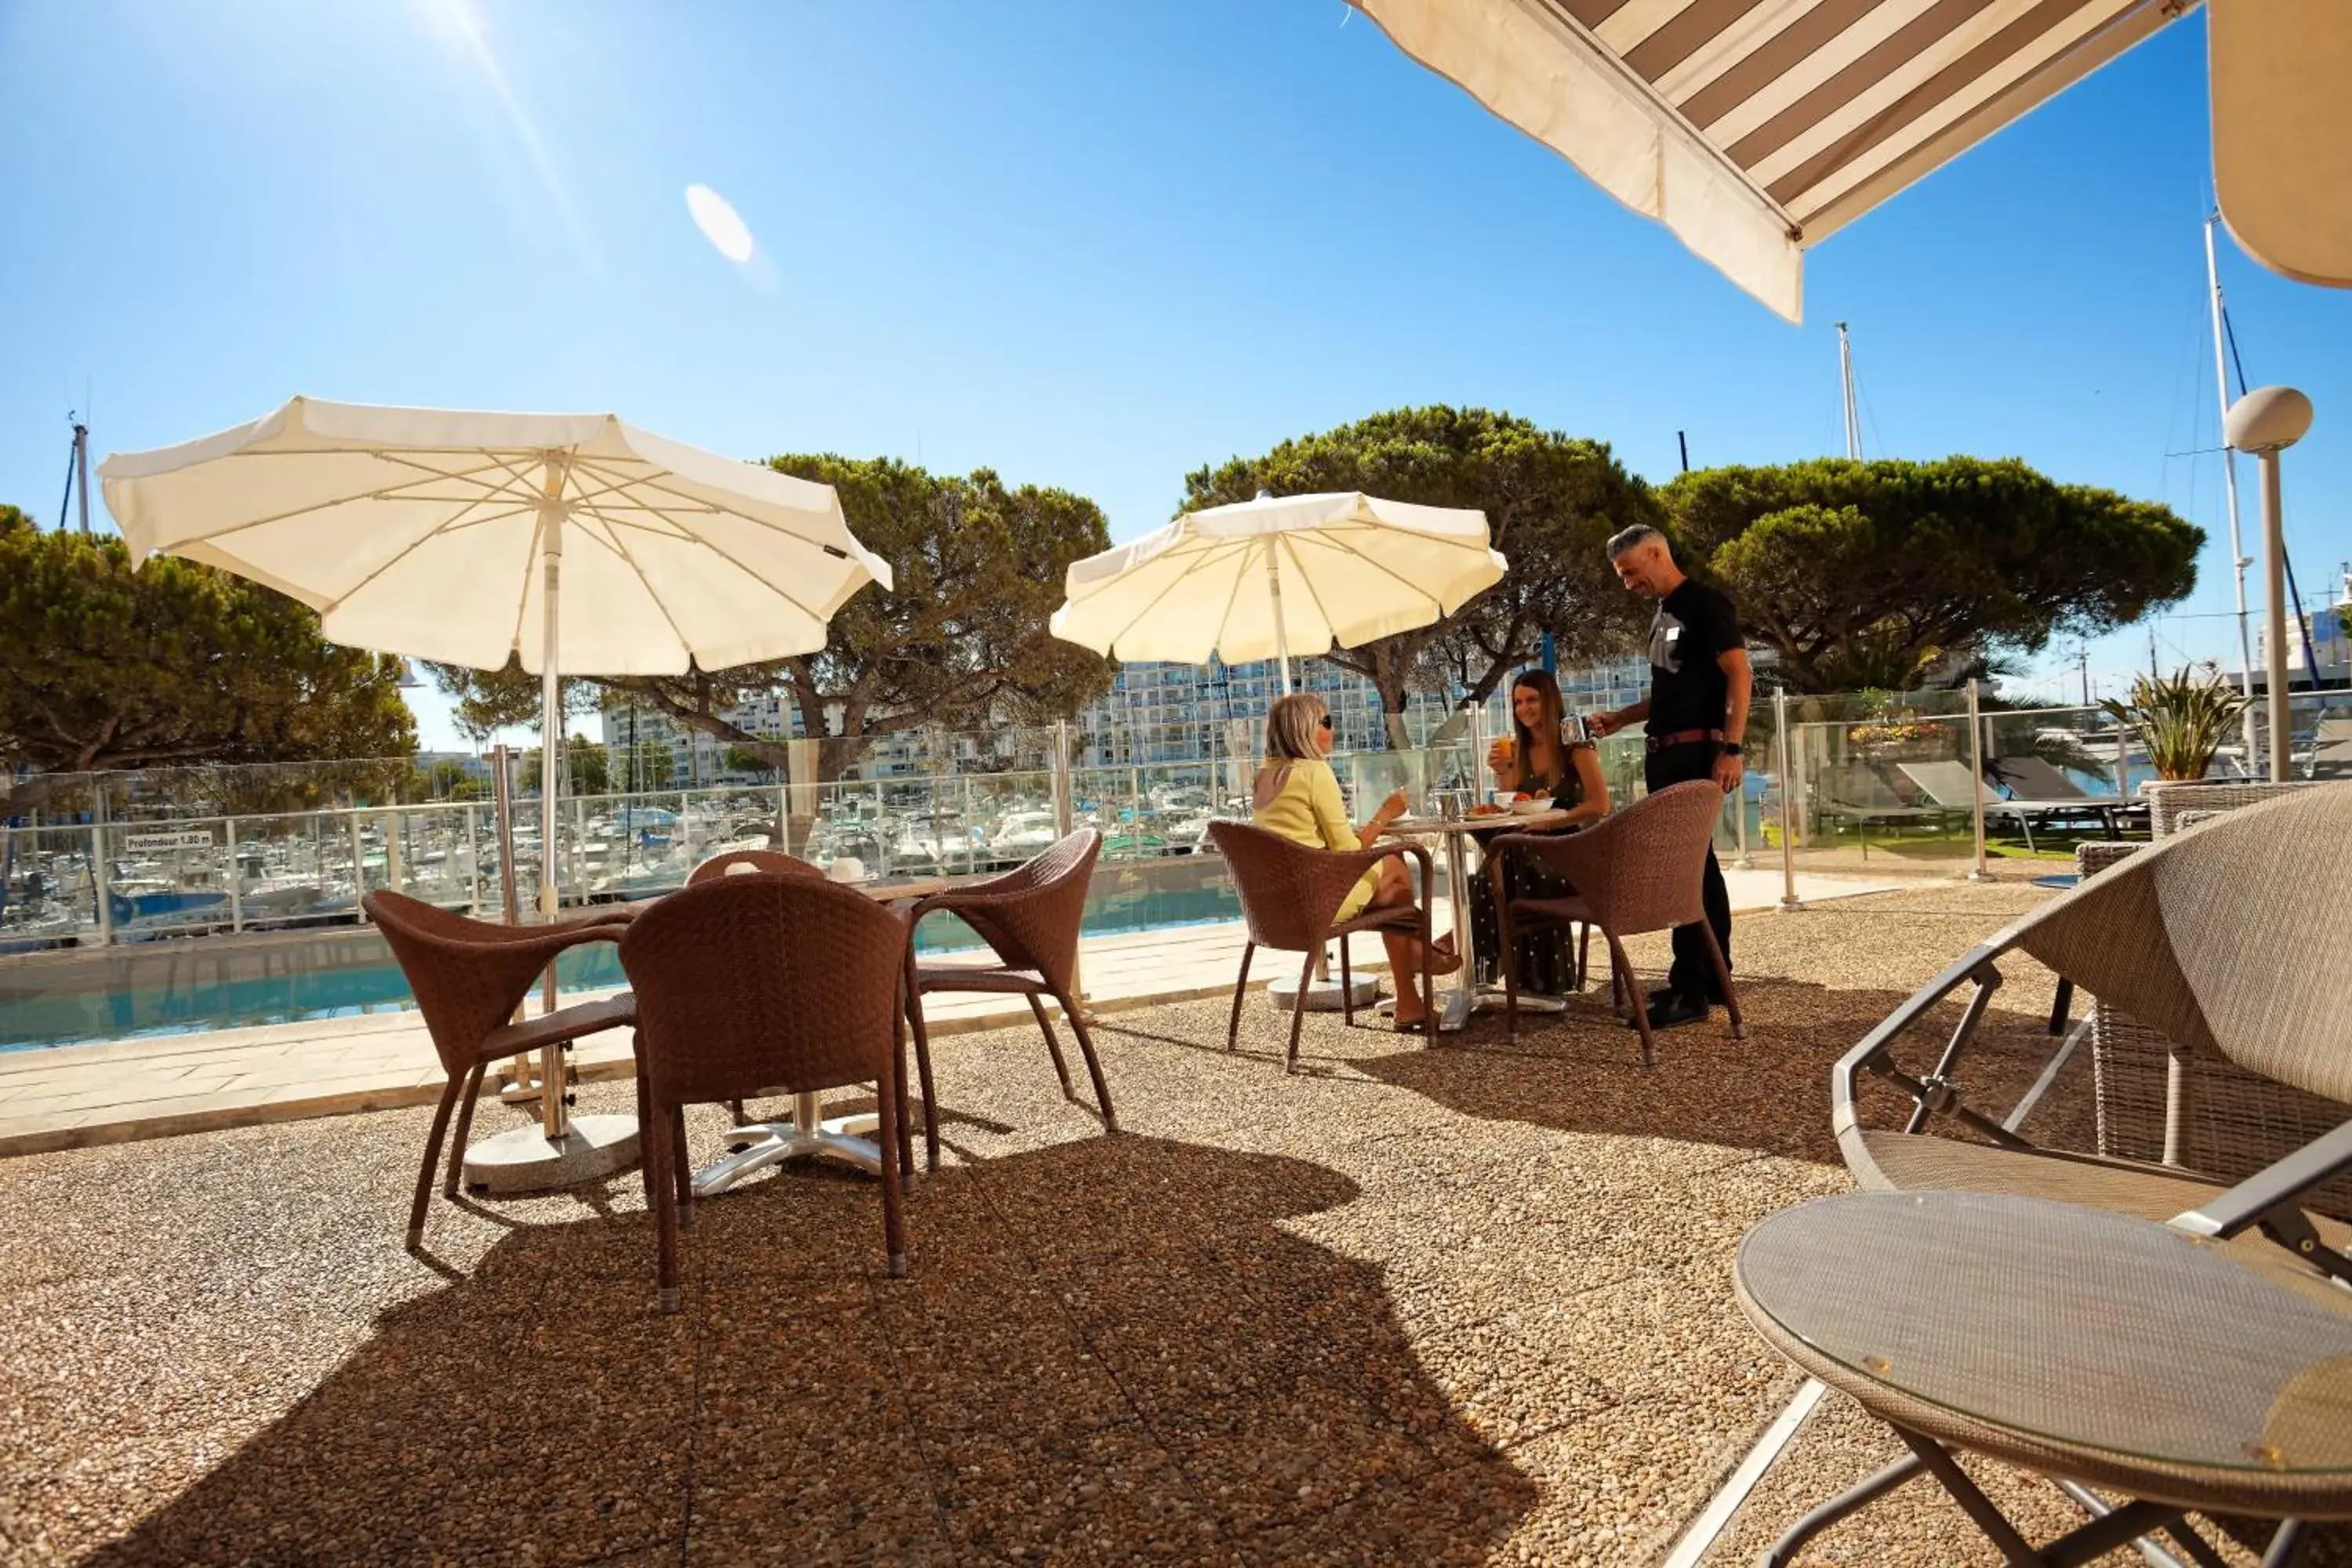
x,y
1105,1348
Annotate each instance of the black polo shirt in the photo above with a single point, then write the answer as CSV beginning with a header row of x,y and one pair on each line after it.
x,y
1688,690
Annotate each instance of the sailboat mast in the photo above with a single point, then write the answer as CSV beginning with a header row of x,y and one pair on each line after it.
x,y
1846,383
2238,561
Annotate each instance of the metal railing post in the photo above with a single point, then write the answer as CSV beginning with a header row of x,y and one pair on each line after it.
x,y
1789,899
236,891
1976,768
1743,861
358,867
97,878
473,861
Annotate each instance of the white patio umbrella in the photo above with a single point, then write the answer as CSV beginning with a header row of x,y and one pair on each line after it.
x,y
580,543
1276,577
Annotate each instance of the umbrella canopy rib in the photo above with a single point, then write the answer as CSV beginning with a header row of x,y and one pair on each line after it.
x,y
1176,580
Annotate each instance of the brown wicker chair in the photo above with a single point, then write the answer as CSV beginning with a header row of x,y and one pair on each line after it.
x,y
2227,943
1030,917
1289,896
738,862
468,977
1635,871
749,981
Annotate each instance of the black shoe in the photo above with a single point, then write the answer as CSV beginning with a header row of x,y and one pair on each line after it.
x,y
1677,1010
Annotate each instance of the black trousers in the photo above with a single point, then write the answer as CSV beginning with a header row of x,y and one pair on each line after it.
x,y
1694,972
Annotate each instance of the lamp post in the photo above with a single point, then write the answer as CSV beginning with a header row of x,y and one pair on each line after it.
x,y
2266,422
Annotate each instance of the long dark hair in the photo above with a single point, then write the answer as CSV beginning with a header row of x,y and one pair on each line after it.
x,y
1545,686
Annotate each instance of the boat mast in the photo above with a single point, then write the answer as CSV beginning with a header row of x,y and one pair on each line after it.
x,y
2238,558
1845,382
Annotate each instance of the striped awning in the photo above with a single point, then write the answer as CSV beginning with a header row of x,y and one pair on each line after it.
x,y
1755,128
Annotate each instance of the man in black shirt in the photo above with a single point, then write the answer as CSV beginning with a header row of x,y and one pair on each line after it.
x,y
1697,710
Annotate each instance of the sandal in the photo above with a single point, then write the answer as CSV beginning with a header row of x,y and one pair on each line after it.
x,y
1413,1025
1444,960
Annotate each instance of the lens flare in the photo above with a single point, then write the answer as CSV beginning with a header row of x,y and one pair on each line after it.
x,y
719,224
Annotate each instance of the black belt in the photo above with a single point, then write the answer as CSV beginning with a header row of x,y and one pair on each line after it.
x,y
1683,738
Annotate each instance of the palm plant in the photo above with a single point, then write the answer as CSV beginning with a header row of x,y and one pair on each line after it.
x,y
2181,719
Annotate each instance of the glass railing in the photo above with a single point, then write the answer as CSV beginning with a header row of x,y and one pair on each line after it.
x,y
1871,783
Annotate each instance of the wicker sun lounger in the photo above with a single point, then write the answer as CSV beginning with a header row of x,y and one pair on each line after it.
x,y
2228,943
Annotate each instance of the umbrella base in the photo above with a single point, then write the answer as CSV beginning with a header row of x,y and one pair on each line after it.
x,y
1322,995
525,1161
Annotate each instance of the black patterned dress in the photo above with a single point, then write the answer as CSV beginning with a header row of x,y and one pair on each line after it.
x,y
1546,961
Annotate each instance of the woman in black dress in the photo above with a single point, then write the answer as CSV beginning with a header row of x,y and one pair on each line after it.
x,y
1537,758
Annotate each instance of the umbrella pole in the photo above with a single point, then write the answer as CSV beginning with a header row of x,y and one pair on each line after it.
x,y
1281,634
553,1115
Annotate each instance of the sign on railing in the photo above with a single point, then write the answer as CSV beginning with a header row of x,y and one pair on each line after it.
x,y
148,843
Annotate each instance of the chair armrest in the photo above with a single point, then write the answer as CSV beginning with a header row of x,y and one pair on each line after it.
x,y
2270,1198
1936,1092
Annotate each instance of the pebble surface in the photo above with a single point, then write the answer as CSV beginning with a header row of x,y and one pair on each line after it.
x,y
1465,1304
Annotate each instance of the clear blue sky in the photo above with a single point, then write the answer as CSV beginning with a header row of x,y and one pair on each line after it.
x,y
1089,245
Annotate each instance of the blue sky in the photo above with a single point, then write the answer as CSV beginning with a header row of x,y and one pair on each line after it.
x,y
1092,246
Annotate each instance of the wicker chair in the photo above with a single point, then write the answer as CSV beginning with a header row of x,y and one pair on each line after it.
x,y
736,862
2228,941
749,981
2157,1099
1030,918
468,977
1290,895
1635,871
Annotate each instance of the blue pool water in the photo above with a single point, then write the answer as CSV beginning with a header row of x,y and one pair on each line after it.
x,y
181,986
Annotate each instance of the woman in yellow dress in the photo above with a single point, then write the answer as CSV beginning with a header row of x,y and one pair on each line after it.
x,y
1297,796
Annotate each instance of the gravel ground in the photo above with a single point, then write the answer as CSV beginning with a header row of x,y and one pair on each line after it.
x,y
1454,1305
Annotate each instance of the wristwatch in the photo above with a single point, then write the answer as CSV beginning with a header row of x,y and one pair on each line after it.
x,y
1731,748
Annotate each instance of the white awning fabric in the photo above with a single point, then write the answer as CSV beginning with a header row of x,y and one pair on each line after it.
x,y
1755,128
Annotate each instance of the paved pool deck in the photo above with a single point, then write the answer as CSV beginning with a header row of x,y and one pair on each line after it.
x,y
164,1085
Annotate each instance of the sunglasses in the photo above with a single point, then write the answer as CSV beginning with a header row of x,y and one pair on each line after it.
x,y
1323,723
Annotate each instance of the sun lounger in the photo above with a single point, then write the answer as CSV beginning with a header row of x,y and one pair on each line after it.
x,y
1857,793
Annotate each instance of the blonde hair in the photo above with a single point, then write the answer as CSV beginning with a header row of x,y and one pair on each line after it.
x,y
1290,727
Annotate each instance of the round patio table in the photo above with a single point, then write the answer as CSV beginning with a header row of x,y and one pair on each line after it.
x,y
2093,1347
1458,833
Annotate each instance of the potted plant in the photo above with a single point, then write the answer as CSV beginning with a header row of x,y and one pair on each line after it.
x,y
1889,731
2181,719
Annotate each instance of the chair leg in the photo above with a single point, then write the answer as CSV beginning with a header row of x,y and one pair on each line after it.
x,y
923,1073
1621,975
906,1109
648,1166
657,1134
432,1158
473,1092
1584,956
1507,959
1046,1026
1347,989
1094,1064
1298,1013
1241,988
894,1233
681,1174
2062,1005
1723,978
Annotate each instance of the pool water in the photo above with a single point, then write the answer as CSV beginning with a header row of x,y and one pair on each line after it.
x,y
178,991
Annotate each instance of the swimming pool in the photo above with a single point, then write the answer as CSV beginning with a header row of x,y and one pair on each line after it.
x,y
174,987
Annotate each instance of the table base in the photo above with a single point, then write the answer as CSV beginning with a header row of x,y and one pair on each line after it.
x,y
527,1160
807,1134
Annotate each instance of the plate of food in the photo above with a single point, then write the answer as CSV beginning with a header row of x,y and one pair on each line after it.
x,y
1488,808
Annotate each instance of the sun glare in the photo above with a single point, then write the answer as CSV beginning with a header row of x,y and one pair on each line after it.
x,y
720,223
